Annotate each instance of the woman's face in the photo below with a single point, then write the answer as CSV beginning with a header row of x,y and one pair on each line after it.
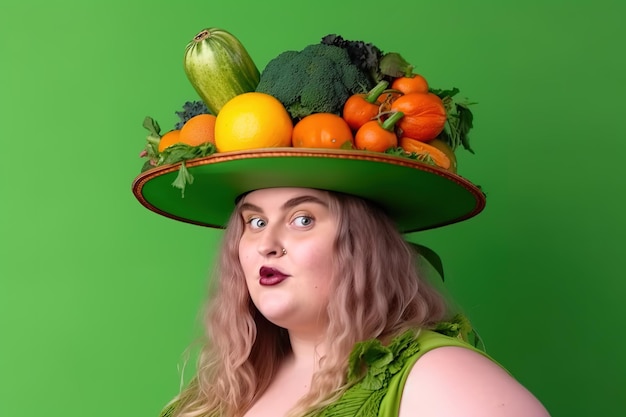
x,y
286,254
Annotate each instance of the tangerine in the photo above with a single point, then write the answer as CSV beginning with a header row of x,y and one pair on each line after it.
x,y
322,130
170,138
252,120
198,130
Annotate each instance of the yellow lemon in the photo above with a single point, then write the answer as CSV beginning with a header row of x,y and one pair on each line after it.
x,y
252,120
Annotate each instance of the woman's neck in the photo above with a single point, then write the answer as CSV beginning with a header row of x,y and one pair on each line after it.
x,y
307,350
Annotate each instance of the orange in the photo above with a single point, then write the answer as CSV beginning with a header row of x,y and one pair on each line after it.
x,y
413,84
169,139
322,130
252,120
422,148
198,130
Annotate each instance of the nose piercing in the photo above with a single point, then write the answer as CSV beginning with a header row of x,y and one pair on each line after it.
x,y
284,251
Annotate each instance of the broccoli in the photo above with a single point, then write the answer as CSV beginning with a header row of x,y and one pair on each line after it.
x,y
366,56
317,79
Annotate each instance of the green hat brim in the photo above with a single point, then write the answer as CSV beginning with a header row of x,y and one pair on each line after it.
x,y
417,195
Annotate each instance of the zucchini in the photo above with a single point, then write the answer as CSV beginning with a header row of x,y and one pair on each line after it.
x,y
219,67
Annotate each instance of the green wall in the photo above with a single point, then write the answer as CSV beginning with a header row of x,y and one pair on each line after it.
x,y
99,297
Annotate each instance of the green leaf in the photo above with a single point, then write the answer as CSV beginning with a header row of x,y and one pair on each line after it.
x,y
445,93
431,257
398,151
347,146
394,65
176,153
183,178
152,126
475,340
422,157
466,122
151,150
460,119
183,152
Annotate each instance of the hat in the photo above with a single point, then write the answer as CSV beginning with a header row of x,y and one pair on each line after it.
x,y
415,194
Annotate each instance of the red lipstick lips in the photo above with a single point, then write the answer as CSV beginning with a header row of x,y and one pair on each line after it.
x,y
271,276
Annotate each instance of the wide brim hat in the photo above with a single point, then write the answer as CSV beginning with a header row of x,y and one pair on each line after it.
x,y
416,195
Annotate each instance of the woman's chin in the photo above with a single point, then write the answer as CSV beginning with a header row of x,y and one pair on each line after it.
x,y
276,307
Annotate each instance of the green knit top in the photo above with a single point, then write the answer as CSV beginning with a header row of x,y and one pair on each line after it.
x,y
377,373
379,391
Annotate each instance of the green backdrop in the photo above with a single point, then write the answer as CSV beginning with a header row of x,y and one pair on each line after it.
x,y
99,297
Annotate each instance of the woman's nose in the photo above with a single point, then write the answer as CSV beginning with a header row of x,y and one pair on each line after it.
x,y
270,243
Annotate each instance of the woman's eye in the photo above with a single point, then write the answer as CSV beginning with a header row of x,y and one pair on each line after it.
x,y
303,221
256,222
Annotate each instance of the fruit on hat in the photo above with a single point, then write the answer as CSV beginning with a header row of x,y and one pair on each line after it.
x,y
170,138
227,80
248,118
322,130
252,120
198,130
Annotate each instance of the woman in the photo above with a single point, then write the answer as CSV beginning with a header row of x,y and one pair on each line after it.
x,y
319,309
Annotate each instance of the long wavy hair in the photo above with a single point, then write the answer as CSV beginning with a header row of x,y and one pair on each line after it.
x,y
376,292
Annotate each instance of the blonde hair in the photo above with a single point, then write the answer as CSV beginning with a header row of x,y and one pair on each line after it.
x,y
376,293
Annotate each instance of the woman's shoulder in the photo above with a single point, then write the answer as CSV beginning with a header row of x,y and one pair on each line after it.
x,y
459,380
377,371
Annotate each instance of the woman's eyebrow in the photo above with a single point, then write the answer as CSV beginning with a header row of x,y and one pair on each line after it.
x,y
303,199
245,206
250,207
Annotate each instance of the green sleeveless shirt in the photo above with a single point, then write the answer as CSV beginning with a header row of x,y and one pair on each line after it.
x,y
378,373
378,393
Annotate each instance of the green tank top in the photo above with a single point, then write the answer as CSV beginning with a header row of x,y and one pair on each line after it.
x,y
378,393
427,340
378,373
